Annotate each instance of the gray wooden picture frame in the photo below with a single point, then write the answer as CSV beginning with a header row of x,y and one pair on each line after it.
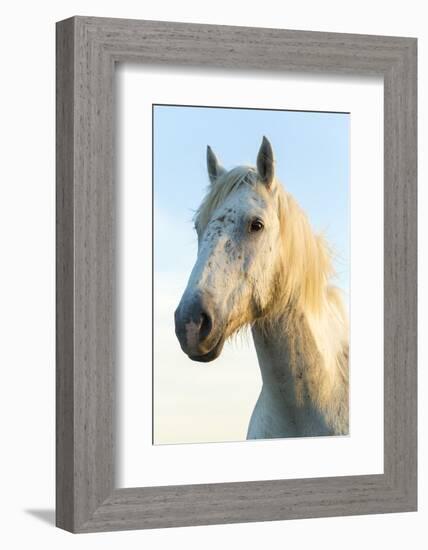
x,y
87,51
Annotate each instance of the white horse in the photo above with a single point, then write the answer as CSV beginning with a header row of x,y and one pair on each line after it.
x,y
259,264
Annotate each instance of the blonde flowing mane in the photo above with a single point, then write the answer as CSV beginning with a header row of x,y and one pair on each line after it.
x,y
305,269
302,286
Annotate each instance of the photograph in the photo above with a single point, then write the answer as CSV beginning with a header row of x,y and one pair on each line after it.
x,y
250,274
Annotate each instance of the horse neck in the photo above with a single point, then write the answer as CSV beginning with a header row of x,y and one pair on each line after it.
x,y
297,382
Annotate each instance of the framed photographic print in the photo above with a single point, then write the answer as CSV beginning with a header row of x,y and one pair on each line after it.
x,y
236,274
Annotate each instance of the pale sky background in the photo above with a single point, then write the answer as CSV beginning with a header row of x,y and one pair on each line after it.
x,y
196,402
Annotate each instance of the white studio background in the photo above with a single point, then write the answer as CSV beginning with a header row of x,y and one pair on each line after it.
x,y
359,453
27,274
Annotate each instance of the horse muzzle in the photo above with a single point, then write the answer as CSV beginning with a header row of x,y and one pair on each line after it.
x,y
197,329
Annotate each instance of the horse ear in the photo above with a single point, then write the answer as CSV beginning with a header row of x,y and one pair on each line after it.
x,y
215,170
265,162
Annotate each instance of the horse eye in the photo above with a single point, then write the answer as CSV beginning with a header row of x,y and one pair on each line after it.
x,y
256,225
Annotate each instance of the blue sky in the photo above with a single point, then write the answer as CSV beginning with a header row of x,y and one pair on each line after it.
x,y
312,162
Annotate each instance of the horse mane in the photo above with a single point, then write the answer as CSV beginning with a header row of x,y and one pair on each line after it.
x,y
303,280
306,265
221,189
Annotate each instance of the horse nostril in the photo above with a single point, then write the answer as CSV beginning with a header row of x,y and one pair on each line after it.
x,y
206,326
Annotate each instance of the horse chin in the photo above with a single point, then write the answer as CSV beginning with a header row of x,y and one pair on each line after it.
x,y
211,355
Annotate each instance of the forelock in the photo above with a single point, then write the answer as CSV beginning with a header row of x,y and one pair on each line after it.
x,y
226,185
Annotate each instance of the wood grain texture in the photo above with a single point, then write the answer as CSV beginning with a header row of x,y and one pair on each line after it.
x,y
64,276
87,50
